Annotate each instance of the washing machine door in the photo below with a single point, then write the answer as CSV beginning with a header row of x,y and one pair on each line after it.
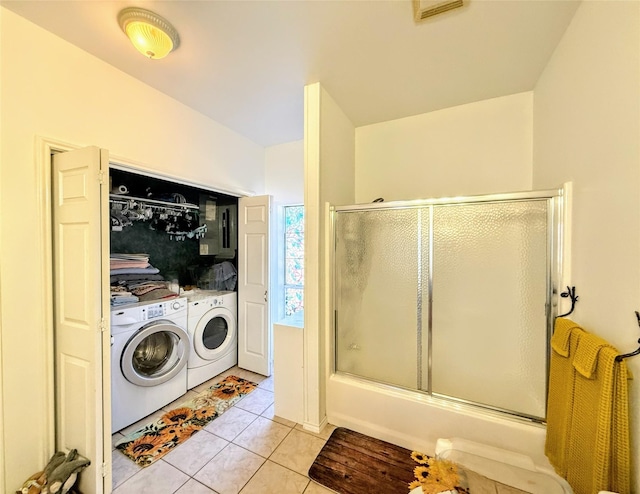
x,y
155,353
215,334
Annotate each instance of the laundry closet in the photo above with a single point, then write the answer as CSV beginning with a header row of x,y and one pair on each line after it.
x,y
173,286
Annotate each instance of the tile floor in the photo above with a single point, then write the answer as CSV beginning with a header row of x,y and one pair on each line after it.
x,y
247,450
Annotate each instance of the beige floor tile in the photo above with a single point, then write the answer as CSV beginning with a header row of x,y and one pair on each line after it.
x,y
195,452
231,423
256,402
324,433
298,451
275,479
183,399
158,478
262,437
122,468
194,487
267,384
269,413
314,488
142,422
229,470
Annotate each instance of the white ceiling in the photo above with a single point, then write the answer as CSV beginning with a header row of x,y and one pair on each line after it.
x,y
245,63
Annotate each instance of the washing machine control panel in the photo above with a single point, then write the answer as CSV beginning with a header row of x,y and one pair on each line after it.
x,y
145,311
163,309
155,311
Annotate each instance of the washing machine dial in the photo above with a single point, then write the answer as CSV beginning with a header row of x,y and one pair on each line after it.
x,y
175,305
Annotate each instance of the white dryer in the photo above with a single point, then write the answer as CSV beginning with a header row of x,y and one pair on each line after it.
x,y
149,353
212,327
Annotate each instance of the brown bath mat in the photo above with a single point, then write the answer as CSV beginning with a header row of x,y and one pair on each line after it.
x,y
352,463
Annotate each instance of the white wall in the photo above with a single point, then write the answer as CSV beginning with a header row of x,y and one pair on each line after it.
x,y
284,172
284,180
587,129
478,148
53,89
329,178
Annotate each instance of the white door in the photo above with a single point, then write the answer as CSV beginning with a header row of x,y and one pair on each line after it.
x,y
254,331
81,311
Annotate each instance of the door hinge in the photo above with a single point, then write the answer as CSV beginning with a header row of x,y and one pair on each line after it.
x,y
102,326
265,295
101,176
104,469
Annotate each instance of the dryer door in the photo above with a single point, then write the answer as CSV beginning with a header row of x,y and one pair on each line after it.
x,y
215,334
155,353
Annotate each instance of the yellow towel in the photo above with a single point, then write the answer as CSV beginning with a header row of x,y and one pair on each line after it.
x,y
560,400
592,450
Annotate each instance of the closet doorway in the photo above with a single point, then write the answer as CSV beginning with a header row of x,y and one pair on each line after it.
x,y
79,387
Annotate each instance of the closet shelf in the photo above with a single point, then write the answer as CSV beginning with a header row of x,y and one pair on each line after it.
x,y
127,200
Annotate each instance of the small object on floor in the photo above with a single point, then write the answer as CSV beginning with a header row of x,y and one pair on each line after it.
x,y
59,476
64,476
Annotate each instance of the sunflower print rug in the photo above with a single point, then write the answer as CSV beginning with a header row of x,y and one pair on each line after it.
x,y
156,439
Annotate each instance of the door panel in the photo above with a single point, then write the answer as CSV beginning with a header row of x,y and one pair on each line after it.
x,y
254,331
80,249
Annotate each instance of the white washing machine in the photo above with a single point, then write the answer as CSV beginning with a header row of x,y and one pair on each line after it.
x,y
149,353
213,333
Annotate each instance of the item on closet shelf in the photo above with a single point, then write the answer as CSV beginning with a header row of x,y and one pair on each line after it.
x,y
152,290
143,271
120,190
219,277
121,298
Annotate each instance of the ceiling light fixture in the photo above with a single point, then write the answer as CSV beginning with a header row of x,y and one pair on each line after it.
x,y
152,35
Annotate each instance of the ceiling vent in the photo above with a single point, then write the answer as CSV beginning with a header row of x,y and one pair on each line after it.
x,y
428,8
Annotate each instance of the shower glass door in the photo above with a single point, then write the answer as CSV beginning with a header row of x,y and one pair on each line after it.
x,y
449,299
489,329
378,257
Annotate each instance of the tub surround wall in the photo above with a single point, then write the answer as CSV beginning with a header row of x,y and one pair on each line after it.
x,y
478,148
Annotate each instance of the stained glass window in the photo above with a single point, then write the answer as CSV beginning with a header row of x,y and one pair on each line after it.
x,y
293,259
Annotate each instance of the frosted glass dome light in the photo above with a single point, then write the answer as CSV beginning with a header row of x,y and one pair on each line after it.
x,y
152,35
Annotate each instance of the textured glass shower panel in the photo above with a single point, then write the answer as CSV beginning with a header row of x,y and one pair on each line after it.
x,y
489,294
376,270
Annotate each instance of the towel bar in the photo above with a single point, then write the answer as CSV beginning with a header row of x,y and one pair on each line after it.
x,y
632,354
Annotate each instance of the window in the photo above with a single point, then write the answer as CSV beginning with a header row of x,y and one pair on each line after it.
x,y
293,259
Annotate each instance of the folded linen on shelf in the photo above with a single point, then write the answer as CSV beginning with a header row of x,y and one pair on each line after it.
x,y
121,264
133,278
130,257
149,270
118,299
157,294
139,289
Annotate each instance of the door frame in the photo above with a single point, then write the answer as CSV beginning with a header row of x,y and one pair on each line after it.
x,y
45,147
